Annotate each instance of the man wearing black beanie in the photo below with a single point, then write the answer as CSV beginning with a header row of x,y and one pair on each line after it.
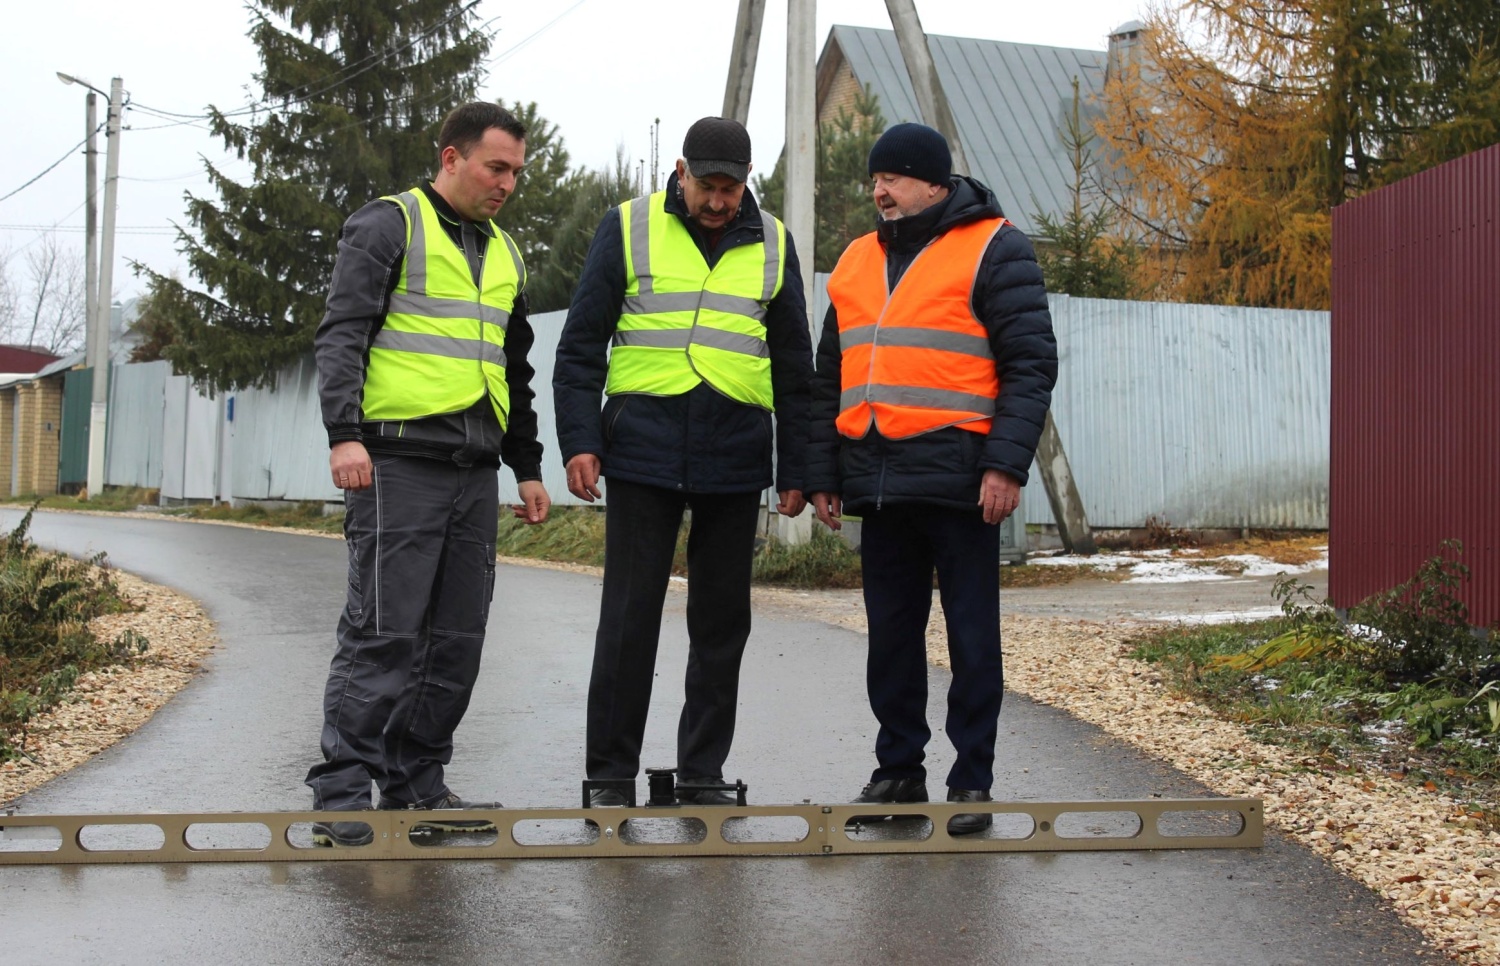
x,y
934,373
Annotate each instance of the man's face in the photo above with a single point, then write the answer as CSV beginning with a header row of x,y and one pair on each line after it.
x,y
711,200
480,183
899,195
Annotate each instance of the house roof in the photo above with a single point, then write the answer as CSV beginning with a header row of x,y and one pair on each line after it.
x,y
23,359
1008,100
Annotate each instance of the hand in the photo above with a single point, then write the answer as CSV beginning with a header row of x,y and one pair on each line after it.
x,y
583,477
828,507
999,495
791,504
349,465
534,502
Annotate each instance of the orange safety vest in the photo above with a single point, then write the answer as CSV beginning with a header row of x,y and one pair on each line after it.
x,y
916,359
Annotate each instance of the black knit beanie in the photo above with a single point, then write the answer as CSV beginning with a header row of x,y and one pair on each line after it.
x,y
915,150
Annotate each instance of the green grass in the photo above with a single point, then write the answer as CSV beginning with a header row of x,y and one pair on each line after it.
x,y
825,561
1337,708
118,498
570,535
304,515
576,535
307,515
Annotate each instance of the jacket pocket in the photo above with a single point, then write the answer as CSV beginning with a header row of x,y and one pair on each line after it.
x,y
611,415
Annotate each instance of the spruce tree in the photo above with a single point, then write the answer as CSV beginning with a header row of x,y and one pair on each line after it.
x,y
352,93
1080,253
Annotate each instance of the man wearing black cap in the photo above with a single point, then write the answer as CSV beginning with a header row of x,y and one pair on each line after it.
x,y
690,318
935,371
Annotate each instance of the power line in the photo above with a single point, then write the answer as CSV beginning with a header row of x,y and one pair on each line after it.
x,y
126,229
337,79
54,164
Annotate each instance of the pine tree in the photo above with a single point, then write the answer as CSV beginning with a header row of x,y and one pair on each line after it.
x,y
352,95
1080,253
844,210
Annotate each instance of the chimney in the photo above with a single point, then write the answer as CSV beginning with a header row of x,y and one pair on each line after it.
x,y
1123,43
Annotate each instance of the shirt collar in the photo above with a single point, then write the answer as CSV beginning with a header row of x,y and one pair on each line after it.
x,y
445,211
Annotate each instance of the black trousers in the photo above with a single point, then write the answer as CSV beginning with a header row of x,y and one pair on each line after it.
x,y
900,546
641,536
421,575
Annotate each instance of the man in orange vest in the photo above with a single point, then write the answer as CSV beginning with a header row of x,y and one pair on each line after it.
x,y
935,371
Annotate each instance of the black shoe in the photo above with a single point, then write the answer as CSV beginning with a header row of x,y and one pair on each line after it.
x,y
892,791
448,802
606,798
342,835
967,823
705,797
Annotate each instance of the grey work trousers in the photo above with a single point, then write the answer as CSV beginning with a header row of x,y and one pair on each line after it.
x,y
421,574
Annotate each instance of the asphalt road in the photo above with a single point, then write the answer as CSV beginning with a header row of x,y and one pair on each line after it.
x,y
243,734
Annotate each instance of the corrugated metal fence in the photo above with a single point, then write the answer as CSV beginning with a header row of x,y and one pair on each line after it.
x,y
1416,381
1201,416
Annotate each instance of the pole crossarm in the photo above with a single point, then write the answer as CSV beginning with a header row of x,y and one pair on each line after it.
x,y
681,831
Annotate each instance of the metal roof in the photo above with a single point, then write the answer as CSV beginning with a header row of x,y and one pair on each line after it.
x,y
1008,100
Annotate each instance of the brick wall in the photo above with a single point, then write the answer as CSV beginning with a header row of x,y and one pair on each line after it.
x,y
7,437
841,92
40,406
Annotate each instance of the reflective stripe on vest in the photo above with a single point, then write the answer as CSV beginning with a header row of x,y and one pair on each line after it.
x,y
915,359
682,323
442,346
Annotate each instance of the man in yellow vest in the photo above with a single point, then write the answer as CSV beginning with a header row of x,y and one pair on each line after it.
x,y
425,389
690,317
935,371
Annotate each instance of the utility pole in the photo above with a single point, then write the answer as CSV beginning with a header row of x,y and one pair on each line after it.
x,y
1052,461
801,170
91,233
742,59
98,307
99,407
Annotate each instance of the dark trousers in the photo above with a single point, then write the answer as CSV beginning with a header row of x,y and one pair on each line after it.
x,y
421,574
900,546
640,538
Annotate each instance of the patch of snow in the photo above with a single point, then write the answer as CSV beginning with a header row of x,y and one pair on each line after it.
x,y
1102,561
1257,566
1170,572
1224,617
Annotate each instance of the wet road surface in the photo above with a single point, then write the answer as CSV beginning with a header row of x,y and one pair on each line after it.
x,y
243,734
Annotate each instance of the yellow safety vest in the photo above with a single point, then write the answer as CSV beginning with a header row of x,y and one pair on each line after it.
x,y
683,323
442,347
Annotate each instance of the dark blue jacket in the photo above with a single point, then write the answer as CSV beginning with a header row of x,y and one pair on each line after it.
x,y
701,441
945,467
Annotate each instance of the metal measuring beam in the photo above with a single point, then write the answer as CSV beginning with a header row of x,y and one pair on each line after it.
x,y
559,833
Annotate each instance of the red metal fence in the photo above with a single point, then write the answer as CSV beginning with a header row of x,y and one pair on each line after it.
x,y
1416,382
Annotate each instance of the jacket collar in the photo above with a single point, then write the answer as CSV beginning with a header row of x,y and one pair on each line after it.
x,y
744,228
968,200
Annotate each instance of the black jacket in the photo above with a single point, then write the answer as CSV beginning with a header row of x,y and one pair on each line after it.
x,y
944,467
700,441
371,248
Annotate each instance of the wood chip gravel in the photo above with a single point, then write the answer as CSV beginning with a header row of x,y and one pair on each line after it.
x,y
110,703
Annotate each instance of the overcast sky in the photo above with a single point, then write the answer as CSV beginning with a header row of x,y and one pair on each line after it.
x,y
602,70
